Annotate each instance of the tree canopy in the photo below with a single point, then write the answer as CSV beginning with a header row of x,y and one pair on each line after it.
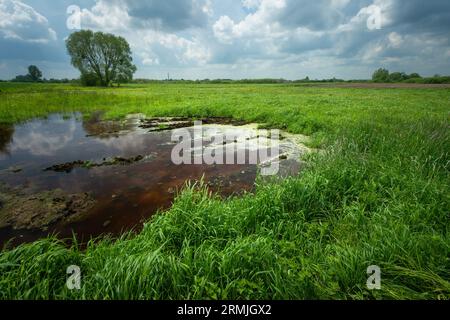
x,y
101,57
34,73
383,75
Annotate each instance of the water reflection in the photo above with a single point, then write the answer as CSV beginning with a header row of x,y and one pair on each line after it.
x,y
125,195
6,135
41,139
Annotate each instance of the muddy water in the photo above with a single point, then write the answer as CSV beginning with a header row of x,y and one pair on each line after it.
x,y
125,195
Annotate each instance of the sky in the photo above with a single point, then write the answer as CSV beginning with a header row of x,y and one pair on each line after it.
x,y
235,39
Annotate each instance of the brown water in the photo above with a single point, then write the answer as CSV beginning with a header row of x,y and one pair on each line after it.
x,y
126,195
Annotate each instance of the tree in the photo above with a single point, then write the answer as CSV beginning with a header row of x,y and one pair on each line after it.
x,y
398,76
106,56
125,73
89,79
22,78
381,75
34,73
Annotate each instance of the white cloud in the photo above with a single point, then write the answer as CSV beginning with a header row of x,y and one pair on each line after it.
x,y
21,22
339,3
149,58
184,50
251,4
152,44
207,8
395,39
175,15
40,141
258,24
224,29
108,16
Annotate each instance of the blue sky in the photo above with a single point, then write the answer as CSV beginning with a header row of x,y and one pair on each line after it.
x,y
196,39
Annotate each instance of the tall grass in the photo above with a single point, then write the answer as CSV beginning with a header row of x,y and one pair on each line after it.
x,y
378,195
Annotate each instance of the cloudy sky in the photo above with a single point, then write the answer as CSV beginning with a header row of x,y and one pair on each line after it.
x,y
196,39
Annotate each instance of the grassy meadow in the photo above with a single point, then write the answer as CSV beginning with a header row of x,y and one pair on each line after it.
x,y
377,195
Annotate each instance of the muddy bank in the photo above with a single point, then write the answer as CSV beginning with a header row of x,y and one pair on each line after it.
x,y
115,161
166,124
20,210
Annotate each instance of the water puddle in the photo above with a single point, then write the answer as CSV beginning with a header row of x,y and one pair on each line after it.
x,y
66,174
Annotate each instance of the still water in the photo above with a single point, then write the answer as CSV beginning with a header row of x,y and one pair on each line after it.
x,y
124,195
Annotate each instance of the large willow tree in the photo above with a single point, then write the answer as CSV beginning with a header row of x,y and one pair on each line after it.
x,y
102,56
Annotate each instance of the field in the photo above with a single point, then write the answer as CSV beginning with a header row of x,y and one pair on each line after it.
x,y
377,195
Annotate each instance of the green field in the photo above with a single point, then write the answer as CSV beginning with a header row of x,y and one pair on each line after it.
x,y
377,195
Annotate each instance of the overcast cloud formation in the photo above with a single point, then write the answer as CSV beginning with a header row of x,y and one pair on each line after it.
x,y
195,39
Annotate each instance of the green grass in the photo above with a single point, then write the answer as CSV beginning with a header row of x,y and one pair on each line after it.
x,y
378,195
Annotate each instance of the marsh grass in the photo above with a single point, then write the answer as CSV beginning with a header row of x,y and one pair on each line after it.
x,y
377,195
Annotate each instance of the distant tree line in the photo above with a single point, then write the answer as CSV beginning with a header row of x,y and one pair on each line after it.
x,y
35,75
412,78
384,76
241,81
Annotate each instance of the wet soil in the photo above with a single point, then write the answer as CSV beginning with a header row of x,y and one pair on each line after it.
x,y
20,210
115,161
166,124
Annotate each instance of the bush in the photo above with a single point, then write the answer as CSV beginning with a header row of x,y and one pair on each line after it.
x,y
432,80
22,78
89,79
381,75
